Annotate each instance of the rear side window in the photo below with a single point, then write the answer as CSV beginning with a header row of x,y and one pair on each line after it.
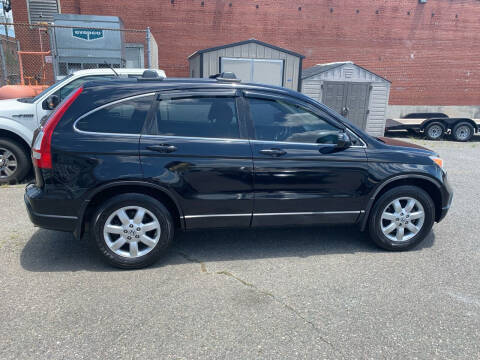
x,y
123,117
211,117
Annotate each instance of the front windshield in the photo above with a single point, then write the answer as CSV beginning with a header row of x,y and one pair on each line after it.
x,y
51,87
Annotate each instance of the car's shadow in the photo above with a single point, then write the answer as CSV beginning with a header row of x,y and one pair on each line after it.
x,y
56,251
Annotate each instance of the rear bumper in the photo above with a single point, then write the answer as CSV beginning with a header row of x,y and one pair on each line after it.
x,y
35,205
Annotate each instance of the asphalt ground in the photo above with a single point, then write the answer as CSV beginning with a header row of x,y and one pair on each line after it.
x,y
271,294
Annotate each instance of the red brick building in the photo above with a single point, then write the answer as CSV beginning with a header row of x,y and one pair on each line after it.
x,y
429,51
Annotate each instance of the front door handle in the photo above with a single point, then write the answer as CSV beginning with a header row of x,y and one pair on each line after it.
x,y
273,152
163,148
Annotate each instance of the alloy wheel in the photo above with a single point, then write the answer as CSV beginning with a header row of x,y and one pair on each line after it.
x,y
132,231
402,219
8,163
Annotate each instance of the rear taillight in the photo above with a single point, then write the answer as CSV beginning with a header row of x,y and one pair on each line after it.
x,y
42,148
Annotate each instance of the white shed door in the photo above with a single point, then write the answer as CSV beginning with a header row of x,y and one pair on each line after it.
x,y
264,71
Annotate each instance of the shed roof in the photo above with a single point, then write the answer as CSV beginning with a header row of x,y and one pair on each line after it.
x,y
247,42
320,68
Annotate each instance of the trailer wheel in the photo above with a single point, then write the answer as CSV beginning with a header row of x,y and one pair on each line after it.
x,y
434,131
463,131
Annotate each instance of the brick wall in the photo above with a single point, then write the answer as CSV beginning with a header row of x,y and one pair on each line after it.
x,y
430,52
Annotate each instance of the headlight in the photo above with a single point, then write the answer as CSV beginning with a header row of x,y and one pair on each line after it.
x,y
437,161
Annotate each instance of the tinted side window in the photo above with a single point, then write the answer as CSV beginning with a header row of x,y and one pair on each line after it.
x,y
125,117
276,120
211,117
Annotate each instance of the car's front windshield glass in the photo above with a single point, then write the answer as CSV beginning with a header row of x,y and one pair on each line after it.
x,y
51,87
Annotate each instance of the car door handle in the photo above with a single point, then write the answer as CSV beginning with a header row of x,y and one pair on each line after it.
x,y
164,148
273,152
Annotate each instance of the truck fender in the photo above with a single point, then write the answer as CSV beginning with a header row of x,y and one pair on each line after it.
x,y
18,129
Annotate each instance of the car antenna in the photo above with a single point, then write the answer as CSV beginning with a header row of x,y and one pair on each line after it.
x,y
111,67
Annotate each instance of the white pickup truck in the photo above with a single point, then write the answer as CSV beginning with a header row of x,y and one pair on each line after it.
x,y
20,117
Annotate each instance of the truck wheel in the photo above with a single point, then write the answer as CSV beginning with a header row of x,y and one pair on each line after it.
x,y
132,230
463,131
434,131
14,162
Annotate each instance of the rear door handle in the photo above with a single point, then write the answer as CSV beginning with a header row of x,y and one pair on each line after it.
x,y
273,152
163,148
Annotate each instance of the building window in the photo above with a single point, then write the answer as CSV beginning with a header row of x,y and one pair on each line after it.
x,y
42,10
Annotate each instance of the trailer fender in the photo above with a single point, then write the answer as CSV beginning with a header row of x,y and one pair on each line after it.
x,y
449,123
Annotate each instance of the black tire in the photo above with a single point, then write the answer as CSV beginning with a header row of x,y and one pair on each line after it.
x,y
463,131
375,220
125,200
22,160
434,131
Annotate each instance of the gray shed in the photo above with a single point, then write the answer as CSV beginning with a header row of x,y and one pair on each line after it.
x,y
251,61
351,90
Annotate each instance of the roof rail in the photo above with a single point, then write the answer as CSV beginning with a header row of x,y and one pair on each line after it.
x,y
225,76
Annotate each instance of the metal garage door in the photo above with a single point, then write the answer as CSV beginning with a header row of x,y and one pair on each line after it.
x,y
349,99
265,71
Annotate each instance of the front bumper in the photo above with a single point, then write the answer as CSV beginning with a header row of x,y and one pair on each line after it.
x,y
447,197
36,206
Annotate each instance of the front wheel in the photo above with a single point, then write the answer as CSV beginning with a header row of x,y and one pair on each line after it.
x,y
401,218
132,231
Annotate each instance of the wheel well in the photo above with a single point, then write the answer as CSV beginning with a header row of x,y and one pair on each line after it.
x,y
18,139
469,121
431,121
429,187
106,194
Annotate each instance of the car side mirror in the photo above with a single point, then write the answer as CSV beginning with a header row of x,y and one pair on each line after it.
x,y
343,141
50,102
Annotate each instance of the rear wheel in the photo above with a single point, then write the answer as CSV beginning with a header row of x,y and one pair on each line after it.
x,y
463,131
401,218
132,230
14,162
434,131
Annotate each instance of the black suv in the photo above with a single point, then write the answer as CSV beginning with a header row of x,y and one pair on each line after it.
x,y
132,161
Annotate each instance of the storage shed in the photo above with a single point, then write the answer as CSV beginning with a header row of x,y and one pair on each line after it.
x,y
251,61
351,90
